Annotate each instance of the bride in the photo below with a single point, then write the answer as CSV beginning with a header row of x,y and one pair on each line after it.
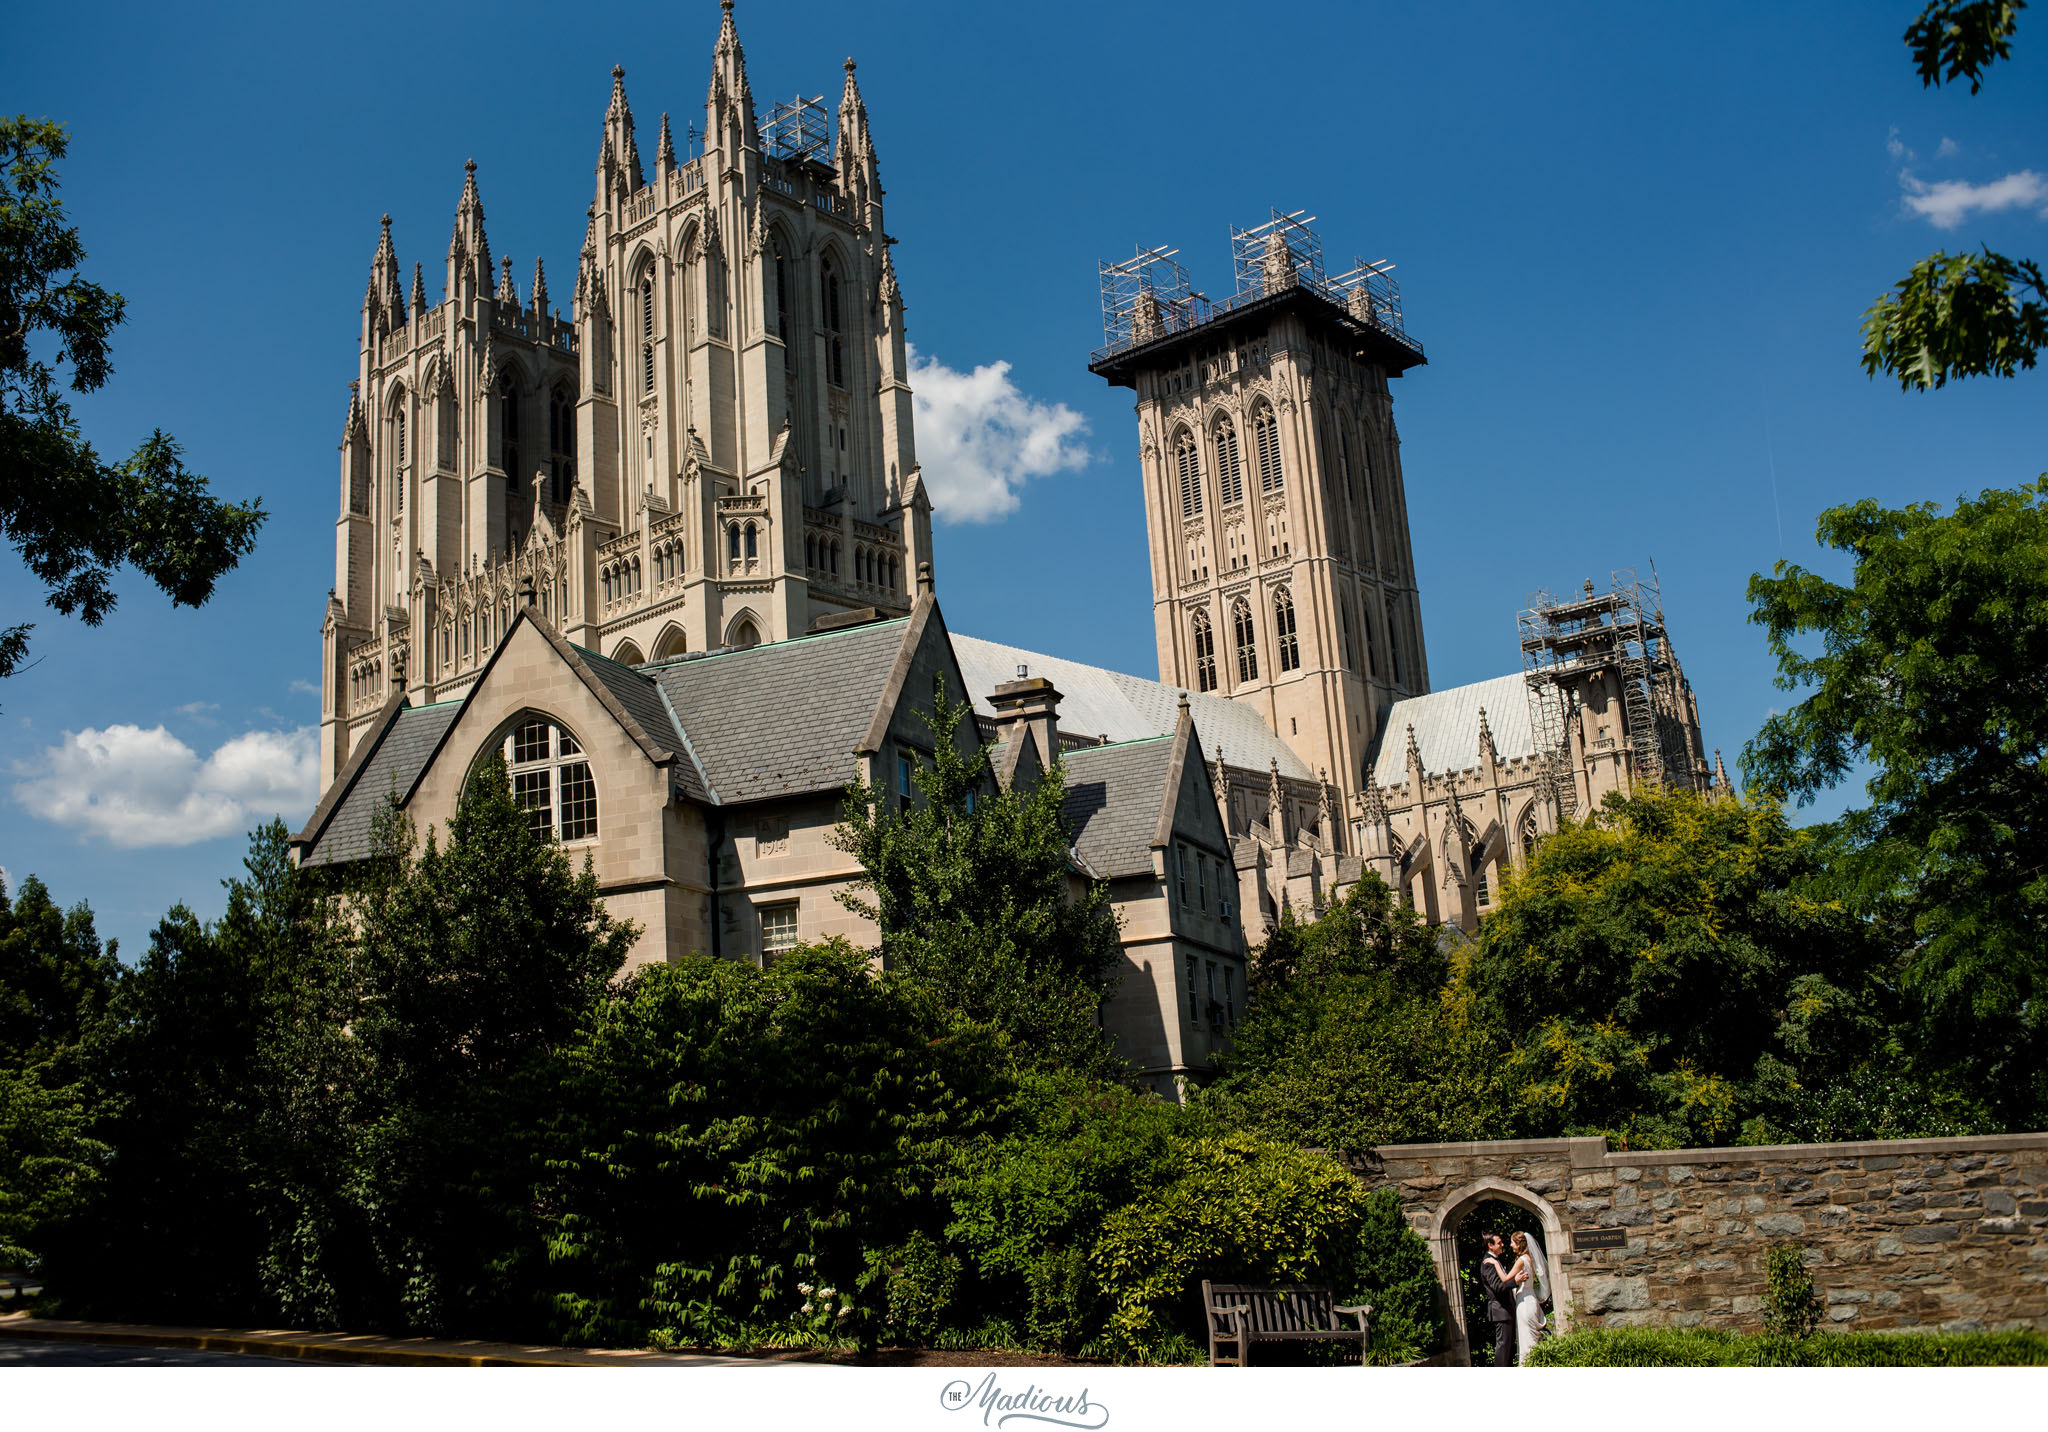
x,y
1531,1278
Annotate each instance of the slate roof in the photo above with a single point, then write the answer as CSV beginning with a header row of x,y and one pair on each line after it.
x,y
1096,702
1114,795
780,719
393,766
1447,728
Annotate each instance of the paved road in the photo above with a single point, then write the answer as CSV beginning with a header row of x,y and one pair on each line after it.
x,y
24,1352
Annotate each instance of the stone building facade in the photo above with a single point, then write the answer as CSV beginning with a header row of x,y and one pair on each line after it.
x,y
1898,1234
714,448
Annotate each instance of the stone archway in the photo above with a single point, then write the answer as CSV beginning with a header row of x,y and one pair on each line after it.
x,y
1443,1247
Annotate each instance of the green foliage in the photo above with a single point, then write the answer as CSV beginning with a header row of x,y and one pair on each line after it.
x,y
1348,1040
1791,1307
737,1148
1927,670
975,897
1665,976
1704,1347
1958,315
1958,39
74,519
55,977
49,1162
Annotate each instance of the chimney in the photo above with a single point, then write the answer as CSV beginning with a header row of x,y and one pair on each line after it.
x,y
1029,704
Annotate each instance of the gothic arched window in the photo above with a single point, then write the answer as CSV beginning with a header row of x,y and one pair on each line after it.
x,y
508,429
732,543
782,307
752,542
647,332
1189,469
445,457
1266,439
551,781
1283,630
398,455
562,442
1344,630
835,344
1245,635
1525,833
1229,471
1205,653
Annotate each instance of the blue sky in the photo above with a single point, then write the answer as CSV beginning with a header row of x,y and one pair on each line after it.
x,y
1636,241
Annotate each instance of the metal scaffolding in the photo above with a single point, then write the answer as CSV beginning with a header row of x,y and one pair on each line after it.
x,y
1148,296
799,129
1567,645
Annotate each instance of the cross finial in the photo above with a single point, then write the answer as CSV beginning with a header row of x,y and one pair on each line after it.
x,y
849,64
618,72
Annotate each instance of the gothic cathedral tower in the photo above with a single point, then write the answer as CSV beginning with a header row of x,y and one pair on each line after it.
x,y
1281,570
714,448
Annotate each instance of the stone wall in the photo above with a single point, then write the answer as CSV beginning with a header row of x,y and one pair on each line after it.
x,y
1908,1233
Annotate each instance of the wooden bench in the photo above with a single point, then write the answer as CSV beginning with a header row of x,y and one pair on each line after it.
x,y
1240,1316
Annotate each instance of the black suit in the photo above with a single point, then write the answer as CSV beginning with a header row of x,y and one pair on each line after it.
x,y
1500,1311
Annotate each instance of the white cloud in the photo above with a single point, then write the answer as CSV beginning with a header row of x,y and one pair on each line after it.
x,y
135,788
980,438
1896,147
200,711
1947,149
1948,204
304,687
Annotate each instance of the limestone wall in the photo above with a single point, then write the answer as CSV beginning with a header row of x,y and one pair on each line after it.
x,y
1909,1233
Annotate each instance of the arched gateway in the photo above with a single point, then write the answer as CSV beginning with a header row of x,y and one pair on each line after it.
x,y
1442,1234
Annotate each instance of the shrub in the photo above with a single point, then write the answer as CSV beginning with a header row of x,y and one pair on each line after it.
x,y
1791,1308
1705,1347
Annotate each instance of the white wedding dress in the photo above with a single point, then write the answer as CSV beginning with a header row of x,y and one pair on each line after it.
x,y
1529,1295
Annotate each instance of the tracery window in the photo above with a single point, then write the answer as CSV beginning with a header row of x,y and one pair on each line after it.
x,y
835,344
1244,633
1526,833
1205,653
508,430
1190,469
1229,471
1283,630
782,307
561,444
1266,439
445,458
551,781
647,333
1344,631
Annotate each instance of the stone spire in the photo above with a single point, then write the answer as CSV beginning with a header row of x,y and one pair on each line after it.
x,y
386,299
469,251
859,170
508,292
539,295
619,142
355,427
664,148
1415,770
1325,827
1488,756
1373,803
1721,782
1276,807
729,106
419,290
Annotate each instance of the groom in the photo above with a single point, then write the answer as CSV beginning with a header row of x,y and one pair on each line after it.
x,y
1500,1302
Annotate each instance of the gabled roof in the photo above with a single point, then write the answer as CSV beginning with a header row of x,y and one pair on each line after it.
x,y
1098,702
784,718
1447,728
388,764
1115,795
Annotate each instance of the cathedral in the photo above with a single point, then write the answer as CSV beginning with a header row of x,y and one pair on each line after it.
x,y
672,557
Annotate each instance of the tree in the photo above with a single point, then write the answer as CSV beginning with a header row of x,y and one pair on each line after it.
x,y
1929,667
75,519
55,976
1348,1039
1959,315
975,896
1666,974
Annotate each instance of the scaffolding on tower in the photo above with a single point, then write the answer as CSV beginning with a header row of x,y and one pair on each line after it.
x,y
799,129
1567,643
1148,296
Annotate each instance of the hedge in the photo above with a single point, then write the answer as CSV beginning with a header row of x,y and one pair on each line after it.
x,y
1705,1347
